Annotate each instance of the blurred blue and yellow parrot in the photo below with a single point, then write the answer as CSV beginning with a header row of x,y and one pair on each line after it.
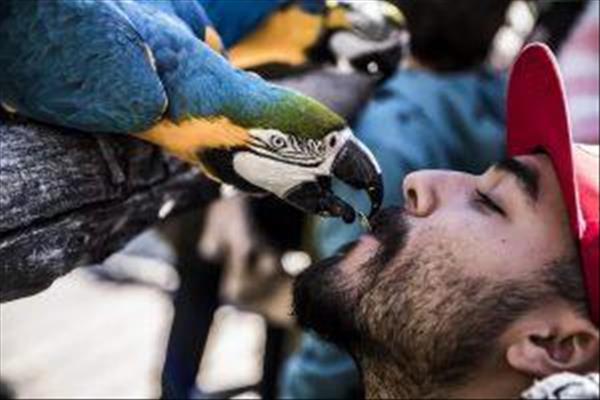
x,y
155,69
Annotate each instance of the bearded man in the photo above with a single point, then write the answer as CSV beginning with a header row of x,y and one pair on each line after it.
x,y
480,284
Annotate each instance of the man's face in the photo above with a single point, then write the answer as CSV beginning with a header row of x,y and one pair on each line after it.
x,y
430,291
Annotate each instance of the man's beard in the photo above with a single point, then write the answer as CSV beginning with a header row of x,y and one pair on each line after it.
x,y
412,315
326,302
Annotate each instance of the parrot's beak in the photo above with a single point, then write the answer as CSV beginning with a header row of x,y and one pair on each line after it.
x,y
355,165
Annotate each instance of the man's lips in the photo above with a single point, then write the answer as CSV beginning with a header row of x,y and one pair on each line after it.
x,y
368,240
365,248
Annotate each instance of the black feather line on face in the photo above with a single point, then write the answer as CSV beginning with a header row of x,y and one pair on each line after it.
x,y
259,143
290,160
219,162
291,145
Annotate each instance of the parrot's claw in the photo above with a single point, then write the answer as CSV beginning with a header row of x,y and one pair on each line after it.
x,y
336,207
318,198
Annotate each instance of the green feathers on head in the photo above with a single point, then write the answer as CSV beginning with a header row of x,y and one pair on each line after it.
x,y
304,117
291,113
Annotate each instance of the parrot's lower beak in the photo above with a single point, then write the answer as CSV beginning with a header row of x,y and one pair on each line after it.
x,y
355,165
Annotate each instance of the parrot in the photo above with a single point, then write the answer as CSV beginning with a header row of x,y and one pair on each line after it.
x,y
370,31
157,70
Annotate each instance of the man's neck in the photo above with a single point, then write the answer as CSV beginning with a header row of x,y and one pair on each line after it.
x,y
385,381
388,382
377,387
496,386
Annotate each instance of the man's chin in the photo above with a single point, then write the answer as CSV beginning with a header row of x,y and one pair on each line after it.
x,y
327,294
322,304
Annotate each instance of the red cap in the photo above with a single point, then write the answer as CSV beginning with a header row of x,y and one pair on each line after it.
x,y
538,119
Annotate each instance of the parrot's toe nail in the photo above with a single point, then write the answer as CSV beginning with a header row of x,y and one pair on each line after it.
x,y
316,197
336,207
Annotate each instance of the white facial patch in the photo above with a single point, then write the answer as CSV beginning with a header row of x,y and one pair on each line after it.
x,y
277,167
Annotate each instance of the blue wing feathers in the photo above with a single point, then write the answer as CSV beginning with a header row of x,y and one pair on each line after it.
x,y
199,82
114,65
79,64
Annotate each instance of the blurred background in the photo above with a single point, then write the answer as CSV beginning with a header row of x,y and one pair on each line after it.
x,y
199,306
85,338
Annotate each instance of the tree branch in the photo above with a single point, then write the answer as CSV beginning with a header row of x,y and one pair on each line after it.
x,y
70,199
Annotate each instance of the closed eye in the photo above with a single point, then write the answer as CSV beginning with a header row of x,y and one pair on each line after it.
x,y
488,203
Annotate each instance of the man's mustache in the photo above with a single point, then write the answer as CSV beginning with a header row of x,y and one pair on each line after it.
x,y
385,220
390,227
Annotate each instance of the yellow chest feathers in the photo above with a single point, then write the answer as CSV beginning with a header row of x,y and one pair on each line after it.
x,y
186,138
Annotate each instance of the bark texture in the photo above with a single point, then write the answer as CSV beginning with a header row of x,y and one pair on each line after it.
x,y
69,199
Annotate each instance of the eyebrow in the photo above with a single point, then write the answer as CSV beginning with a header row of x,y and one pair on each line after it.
x,y
527,176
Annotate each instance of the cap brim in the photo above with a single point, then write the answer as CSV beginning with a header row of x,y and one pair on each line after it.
x,y
538,120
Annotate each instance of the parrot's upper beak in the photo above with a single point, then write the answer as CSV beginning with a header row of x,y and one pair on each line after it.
x,y
355,165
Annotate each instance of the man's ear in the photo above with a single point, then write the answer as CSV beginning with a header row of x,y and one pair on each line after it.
x,y
553,340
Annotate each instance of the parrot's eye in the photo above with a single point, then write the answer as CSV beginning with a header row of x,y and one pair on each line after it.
x,y
277,142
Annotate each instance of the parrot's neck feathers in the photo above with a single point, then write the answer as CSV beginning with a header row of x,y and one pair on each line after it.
x,y
189,136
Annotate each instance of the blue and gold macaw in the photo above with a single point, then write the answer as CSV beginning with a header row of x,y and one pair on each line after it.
x,y
155,69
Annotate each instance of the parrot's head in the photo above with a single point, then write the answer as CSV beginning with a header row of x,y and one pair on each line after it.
x,y
293,148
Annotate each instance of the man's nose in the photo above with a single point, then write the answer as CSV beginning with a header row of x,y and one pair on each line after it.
x,y
427,190
420,198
